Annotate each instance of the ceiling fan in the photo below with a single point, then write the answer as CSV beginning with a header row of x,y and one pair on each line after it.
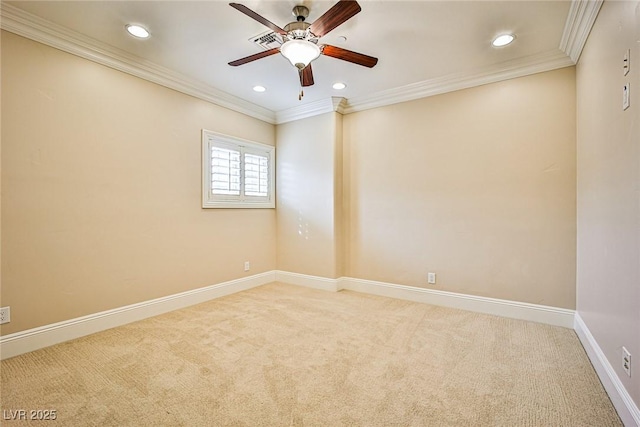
x,y
300,39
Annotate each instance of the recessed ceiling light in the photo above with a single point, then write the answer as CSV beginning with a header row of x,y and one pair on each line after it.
x,y
259,88
137,31
339,86
503,40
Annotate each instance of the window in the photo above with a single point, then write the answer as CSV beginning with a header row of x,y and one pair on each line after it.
x,y
236,173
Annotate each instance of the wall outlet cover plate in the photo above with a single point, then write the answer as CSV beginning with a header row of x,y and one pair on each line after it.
x,y
625,96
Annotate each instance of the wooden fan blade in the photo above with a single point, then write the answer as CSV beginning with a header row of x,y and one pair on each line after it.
x,y
306,76
347,55
254,57
339,13
251,14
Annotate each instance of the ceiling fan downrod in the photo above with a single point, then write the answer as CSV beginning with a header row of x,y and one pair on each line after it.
x,y
300,12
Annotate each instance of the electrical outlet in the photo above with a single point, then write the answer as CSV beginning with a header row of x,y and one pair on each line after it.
x,y
626,361
431,278
5,315
247,266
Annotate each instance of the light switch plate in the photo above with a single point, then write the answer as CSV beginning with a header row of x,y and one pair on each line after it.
x,y
626,62
626,361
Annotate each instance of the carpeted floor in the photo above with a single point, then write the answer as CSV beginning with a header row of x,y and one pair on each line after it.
x,y
282,355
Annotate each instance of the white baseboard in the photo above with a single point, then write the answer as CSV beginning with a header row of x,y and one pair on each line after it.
x,y
627,409
34,339
512,309
308,281
44,336
505,308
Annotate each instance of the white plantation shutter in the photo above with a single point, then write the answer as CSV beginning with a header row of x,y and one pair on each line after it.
x,y
225,171
236,173
256,172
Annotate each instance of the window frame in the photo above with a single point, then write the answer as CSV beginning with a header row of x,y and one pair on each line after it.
x,y
212,139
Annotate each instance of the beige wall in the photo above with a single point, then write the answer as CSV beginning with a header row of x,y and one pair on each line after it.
x,y
309,196
101,201
608,267
101,191
477,186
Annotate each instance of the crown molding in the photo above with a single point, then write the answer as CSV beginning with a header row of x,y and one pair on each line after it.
x,y
521,67
580,20
315,108
32,27
582,15
339,104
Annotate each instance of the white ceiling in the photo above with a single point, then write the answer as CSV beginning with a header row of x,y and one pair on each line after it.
x,y
424,47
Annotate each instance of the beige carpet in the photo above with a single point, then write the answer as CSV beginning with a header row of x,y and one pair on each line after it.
x,y
282,355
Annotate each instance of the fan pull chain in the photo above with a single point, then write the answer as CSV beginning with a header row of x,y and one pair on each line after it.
x,y
301,93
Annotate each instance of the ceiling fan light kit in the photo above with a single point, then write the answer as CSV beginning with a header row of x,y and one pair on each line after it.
x,y
300,52
300,45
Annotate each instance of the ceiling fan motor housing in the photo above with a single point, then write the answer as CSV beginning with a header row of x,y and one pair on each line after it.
x,y
299,31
